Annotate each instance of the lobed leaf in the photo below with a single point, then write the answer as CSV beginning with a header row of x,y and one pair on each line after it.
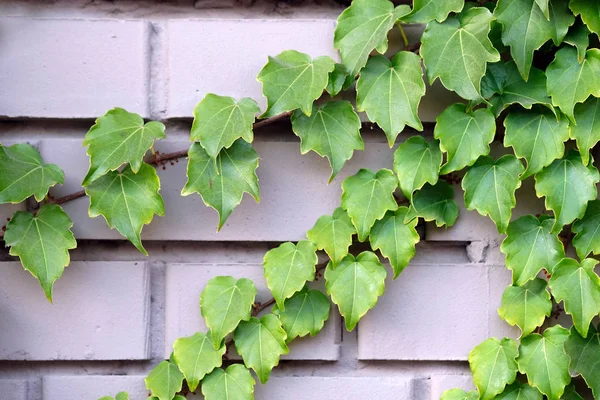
x,y
584,354
164,381
579,37
234,383
520,391
305,313
417,161
589,10
434,203
339,79
526,306
333,234
587,131
428,10
459,394
196,357
587,231
494,365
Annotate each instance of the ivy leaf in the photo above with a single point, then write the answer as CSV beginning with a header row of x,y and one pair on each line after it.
x,y
364,26
195,356
417,161
225,302
587,130
367,196
222,187
457,51
390,92
24,174
339,79
234,383
537,136
493,364
526,306
261,342
544,6
219,121
584,354
333,233
120,396
127,200
332,131
288,267
587,231
305,313
355,285
589,11
395,238
579,37
307,79
428,10
567,185
518,391
571,393
119,137
434,203
459,394
465,136
164,380
42,242
578,286
490,188
530,246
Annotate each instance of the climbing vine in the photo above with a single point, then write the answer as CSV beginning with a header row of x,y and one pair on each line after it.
x,y
529,74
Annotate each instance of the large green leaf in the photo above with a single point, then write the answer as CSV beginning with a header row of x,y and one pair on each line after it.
x,y
164,380
261,342
225,302
288,267
459,394
42,242
458,50
355,285
589,11
24,174
367,196
364,26
395,238
222,183
434,203
293,80
465,136
428,10
219,121
567,185
578,287
195,356
526,306
537,136
530,246
119,137
587,130
333,234
417,161
127,200
234,383
519,391
390,92
587,231
305,313
584,354
332,131
494,365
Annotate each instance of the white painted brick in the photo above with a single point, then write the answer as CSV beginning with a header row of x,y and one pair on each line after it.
x,y
441,383
100,312
13,389
184,284
60,68
92,387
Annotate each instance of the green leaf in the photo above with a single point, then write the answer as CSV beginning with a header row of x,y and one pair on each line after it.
x,y
395,238
459,394
578,286
493,364
234,383
428,10
434,203
544,6
355,285
164,380
117,138
288,267
570,81
587,130
530,246
537,136
458,50
518,391
571,393
195,356
364,26
120,396
567,185
367,196
127,200
584,354
225,302
589,11
333,234
339,79
222,183
579,37
390,92
42,242
526,306
526,28
24,174
490,188
587,231
293,80
417,161
261,342
219,121
305,313
465,136
332,131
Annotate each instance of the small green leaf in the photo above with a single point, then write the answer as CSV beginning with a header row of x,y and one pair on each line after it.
x,y
417,161
261,342
579,37
587,231
355,285
225,302
434,203
526,306
339,79
493,364
589,11
584,354
587,130
428,10
164,381
459,394
333,234
519,391
305,313
120,396
127,200
571,393
195,356
234,383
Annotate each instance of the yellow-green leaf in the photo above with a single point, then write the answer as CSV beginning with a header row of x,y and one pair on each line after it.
x,y
333,233
234,383
494,365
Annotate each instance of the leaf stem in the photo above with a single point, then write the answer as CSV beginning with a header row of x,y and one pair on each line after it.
x,y
404,37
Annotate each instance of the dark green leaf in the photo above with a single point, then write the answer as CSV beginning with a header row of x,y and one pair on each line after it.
x,y
518,391
587,130
589,11
434,203
587,231
417,161
305,313
584,354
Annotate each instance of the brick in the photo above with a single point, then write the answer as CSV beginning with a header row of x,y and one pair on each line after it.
x,y
13,389
92,387
441,383
185,283
61,68
100,312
